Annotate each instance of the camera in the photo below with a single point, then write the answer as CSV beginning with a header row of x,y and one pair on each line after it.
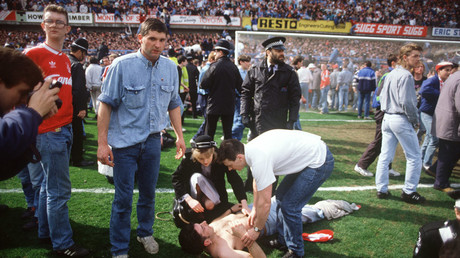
x,y
56,84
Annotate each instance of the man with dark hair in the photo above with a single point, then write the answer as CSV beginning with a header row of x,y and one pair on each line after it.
x,y
306,163
398,101
78,52
140,89
366,85
221,79
244,62
221,238
19,124
54,139
373,149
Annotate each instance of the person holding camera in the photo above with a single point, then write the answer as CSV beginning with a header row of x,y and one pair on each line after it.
x,y
54,139
24,104
200,181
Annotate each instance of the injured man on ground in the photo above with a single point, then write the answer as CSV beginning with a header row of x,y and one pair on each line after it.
x,y
222,237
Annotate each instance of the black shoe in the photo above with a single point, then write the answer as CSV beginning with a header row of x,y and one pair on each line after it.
x,y
29,213
290,254
83,163
31,225
382,195
414,198
73,251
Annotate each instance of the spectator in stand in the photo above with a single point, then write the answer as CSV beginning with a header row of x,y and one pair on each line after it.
x,y
366,85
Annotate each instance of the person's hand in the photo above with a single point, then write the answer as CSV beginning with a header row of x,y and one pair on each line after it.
x,y
252,217
249,237
82,114
236,208
304,100
194,205
245,209
105,155
43,99
237,229
180,148
186,89
245,120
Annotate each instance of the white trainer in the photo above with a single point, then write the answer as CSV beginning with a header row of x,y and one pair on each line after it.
x,y
393,173
120,256
362,171
150,245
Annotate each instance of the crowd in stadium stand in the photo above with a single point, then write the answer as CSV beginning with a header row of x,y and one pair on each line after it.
x,y
440,13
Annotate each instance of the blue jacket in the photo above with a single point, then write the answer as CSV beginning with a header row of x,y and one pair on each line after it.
x,y
18,131
430,93
366,80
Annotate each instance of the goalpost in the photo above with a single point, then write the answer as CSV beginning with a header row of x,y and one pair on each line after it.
x,y
321,48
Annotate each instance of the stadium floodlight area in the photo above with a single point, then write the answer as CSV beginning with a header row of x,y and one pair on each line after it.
x,y
319,48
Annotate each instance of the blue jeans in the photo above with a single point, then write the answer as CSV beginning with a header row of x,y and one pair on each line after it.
x,y
27,188
431,142
143,159
396,128
292,194
297,125
323,100
238,127
55,191
356,97
304,89
315,98
366,97
343,97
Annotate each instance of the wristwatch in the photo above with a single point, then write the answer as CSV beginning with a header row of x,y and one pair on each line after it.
x,y
256,229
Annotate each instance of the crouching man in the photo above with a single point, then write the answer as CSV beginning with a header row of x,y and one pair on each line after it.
x,y
305,161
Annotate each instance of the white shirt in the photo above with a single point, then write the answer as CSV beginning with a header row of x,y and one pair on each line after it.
x,y
305,75
283,152
93,76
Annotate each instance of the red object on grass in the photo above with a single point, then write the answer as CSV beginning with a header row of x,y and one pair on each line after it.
x,y
319,236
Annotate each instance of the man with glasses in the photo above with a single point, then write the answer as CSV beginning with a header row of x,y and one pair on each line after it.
x,y
399,102
54,139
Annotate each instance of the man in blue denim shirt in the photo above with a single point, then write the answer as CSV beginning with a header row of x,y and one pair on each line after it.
x,y
139,90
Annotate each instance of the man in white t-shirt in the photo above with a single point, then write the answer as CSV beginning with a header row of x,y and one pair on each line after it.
x,y
305,161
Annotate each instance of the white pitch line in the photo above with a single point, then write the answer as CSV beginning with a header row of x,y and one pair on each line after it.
x,y
167,190
322,120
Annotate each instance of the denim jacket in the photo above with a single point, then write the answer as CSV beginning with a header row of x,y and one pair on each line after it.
x,y
140,94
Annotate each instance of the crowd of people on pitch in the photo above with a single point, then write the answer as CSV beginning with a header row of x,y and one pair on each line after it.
x,y
404,12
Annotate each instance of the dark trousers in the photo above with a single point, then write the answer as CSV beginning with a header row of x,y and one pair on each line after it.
x,y
211,124
76,152
448,155
373,149
193,98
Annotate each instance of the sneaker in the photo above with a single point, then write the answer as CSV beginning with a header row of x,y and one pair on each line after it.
x,y
73,251
445,190
290,254
393,173
120,256
362,171
414,198
383,195
360,117
368,118
150,245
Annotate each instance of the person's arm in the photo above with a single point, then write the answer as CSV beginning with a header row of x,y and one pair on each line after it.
x,y
238,230
262,203
208,78
104,153
79,90
175,118
408,99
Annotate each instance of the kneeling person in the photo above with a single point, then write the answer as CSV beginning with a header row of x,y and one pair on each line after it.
x,y
304,160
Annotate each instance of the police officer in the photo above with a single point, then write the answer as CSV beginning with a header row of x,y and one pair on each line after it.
x,y
434,235
270,94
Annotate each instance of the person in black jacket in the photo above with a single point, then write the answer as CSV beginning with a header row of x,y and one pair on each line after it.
x,y
78,52
199,180
271,91
221,79
193,75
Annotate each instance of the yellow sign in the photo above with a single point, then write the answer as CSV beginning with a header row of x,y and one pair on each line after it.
x,y
301,25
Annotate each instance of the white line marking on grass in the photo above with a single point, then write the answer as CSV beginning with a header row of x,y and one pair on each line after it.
x,y
167,190
322,120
